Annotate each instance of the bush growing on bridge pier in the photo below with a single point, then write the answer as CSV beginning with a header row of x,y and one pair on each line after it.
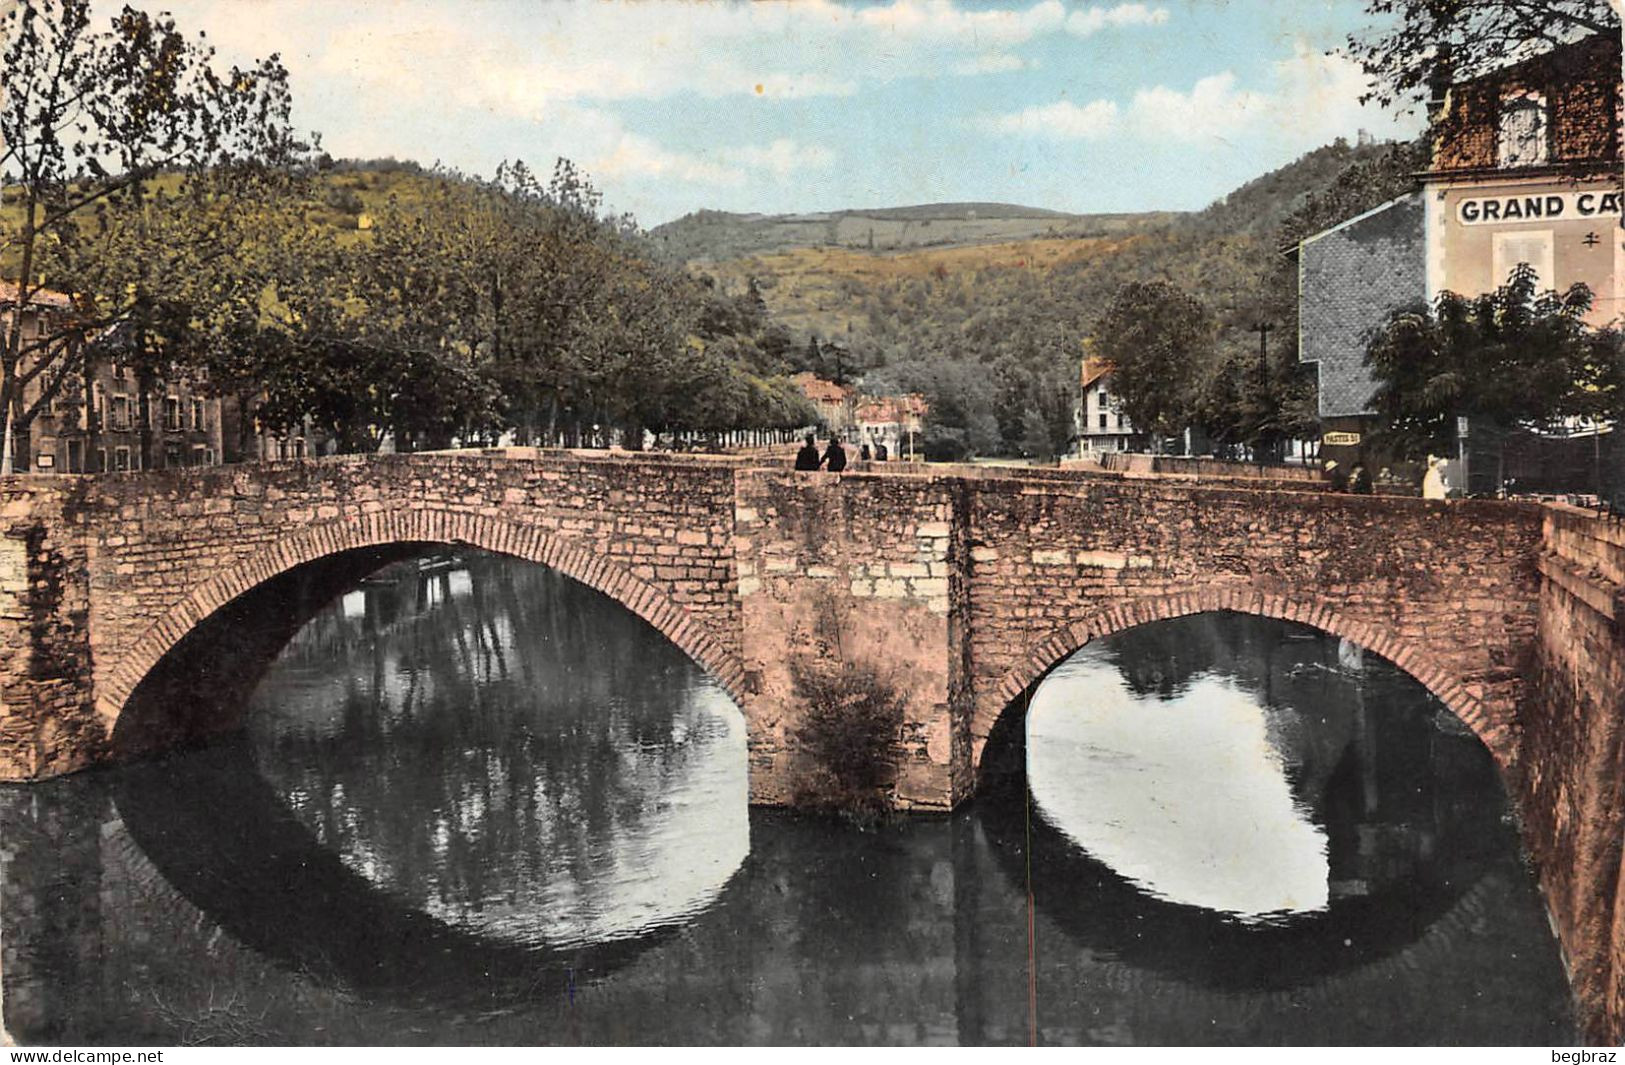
x,y
849,731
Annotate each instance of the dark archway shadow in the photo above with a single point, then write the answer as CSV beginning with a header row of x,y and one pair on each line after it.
x,y
1121,919
201,686
271,885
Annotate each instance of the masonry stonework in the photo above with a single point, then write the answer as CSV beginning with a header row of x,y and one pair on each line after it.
x,y
1571,789
963,587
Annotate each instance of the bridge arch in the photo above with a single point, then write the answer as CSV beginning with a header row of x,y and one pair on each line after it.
x,y
1046,653
355,532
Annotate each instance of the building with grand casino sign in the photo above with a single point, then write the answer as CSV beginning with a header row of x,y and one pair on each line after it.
x,y
1526,168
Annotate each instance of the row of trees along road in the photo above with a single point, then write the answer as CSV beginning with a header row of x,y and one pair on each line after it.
x,y
175,205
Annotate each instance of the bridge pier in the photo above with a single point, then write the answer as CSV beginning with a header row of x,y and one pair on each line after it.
x,y
48,724
864,575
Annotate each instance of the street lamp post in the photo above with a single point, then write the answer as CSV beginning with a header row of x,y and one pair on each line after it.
x,y
1263,331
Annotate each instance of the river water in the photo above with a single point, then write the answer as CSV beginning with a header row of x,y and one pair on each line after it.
x,y
475,802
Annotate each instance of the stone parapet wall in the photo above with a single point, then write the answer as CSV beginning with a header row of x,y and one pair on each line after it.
x,y
1300,477
1571,784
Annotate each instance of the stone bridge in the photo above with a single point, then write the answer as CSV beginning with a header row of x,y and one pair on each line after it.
x,y
959,587
962,586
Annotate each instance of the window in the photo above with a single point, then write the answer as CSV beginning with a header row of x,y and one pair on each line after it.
x,y
1528,246
172,456
121,413
172,413
101,460
121,458
299,448
1523,131
76,456
143,411
202,456
1103,419
197,414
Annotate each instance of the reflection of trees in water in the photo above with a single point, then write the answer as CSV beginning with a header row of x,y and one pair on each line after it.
x,y
1413,812
1164,657
468,744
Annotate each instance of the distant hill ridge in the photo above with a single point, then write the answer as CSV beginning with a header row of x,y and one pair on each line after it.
x,y
710,235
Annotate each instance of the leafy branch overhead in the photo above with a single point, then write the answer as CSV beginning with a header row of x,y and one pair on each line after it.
x,y
1413,41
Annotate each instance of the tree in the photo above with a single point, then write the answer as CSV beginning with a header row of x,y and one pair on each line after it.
x,y
1159,340
1418,39
1512,357
99,132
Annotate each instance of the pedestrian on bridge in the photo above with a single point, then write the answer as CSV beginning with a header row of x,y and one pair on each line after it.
x,y
807,457
834,455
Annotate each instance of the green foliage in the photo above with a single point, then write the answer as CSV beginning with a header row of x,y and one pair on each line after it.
x,y
849,731
992,334
1509,357
482,307
89,119
1159,339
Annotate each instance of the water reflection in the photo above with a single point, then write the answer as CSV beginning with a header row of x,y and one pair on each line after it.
x,y
1187,796
484,741
478,810
1245,802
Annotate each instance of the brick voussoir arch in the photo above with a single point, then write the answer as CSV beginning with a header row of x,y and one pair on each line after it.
x,y
1049,650
488,533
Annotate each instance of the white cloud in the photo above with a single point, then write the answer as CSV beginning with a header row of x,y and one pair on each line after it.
x,y
1312,98
1315,97
1213,108
621,153
1092,20
783,158
1061,121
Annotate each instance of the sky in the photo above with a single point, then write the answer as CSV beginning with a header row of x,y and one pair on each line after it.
x,y
675,105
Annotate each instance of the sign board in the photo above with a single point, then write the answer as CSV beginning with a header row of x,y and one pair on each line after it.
x,y
46,461
1538,207
1336,439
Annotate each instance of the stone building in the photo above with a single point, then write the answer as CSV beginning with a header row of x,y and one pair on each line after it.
x,y
1351,278
835,403
102,419
1101,425
895,421
1525,168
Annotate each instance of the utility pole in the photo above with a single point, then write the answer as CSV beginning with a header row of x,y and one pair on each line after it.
x,y
1263,331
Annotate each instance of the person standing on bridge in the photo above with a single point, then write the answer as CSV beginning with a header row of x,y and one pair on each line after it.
x,y
807,457
834,455
1434,485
